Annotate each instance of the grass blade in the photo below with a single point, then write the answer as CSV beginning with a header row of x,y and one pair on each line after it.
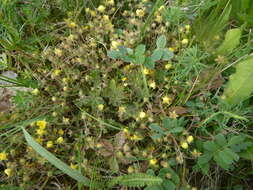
x,y
55,161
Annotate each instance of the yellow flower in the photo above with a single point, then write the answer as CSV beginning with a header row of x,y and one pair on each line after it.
x,y
187,27
190,139
140,12
130,169
8,172
100,107
136,138
101,8
171,49
142,114
194,188
153,161
115,44
50,144
36,91
146,71
168,66
122,109
110,2
185,41
65,120
60,132
3,156
40,132
173,115
152,84
124,79
74,166
184,145
71,24
58,52
56,72
60,140
166,100
41,124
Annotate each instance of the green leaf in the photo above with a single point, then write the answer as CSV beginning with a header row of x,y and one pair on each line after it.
x,y
114,166
211,146
149,63
166,122
156,128
114,54
232,39
176,130
220,161
11,188
135,180
167,54
161,41
140,50
240,86
55,161
205,158
157,55
221,140
247,154
167,184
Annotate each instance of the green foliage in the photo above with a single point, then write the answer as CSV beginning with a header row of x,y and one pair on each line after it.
x,y
232,39
55,161
138,55
11,188
173,126
224,152
170,183
135,180
239,86
3,61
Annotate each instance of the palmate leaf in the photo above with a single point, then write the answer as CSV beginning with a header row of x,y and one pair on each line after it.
x,y
240,84
55,161
135,180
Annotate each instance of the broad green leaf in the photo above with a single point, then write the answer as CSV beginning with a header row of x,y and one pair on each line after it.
x,y
235,140
167,184
157,55
156,136
240,84
220,139
205,158
140,59
176,130
161,41
114,54
140,50
210,146
166,122
149,63
247,154
220,161
156,128
55,161
232,39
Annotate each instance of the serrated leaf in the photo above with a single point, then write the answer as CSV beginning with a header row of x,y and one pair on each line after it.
x,y
205,158
247,154
156,128
220,139
166,122
219,160
55,161
232,39
176,130
114,165
135,180
240,86
140,50
157,55
149,63
210,146
161,41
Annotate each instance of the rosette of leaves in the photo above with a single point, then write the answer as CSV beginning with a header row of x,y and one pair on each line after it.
x,y
139,55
